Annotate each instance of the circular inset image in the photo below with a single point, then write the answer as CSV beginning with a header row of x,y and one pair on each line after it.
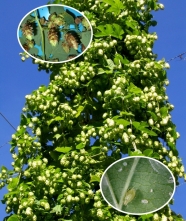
x,y
54,33
137,185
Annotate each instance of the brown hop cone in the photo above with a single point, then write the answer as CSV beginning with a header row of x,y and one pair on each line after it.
x,y
72,40
27,30
43,21
28,45
65,47
53,36
52,16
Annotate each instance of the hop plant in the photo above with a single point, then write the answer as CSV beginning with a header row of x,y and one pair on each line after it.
x,y
27,30
92,105
53,36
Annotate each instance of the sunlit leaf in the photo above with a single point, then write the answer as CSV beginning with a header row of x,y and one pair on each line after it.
x,y
80,146
63,149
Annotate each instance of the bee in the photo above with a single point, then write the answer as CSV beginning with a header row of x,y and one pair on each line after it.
x,y
129,196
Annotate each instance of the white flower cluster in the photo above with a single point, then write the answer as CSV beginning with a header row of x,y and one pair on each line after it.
x,y
140,46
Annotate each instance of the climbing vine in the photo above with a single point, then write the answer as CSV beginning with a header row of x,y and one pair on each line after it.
x,y
110,101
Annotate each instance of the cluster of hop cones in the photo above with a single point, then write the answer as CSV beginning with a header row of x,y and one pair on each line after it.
x,y
27,30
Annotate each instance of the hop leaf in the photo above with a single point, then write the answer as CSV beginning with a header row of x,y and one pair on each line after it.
x,y
53,36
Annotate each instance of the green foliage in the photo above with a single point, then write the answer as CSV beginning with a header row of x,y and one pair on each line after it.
x,y
114,30
110,99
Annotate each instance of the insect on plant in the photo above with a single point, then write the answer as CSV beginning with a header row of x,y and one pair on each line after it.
x,y
129,196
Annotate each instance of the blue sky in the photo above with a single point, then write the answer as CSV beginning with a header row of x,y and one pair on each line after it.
x,y
18,78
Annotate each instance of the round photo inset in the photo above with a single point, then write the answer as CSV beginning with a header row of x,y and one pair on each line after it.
x,y
54,33
137,185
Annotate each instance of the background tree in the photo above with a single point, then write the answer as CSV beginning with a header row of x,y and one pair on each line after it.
x,y
98,102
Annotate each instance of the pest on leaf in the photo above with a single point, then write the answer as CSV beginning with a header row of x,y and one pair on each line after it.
x,y
144,201
129,196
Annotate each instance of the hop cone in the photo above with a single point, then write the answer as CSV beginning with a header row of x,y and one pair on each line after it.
x,y
51,24
72,40
43,21
65,47
28,45
52,16
27,30
53,36
85,24
59,21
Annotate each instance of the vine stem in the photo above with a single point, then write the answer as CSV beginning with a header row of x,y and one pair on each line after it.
x,y
133,143
42,35
129,178
106,178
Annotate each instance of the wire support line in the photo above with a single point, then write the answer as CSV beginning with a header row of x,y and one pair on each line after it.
x,y
4,144
8,121
178,56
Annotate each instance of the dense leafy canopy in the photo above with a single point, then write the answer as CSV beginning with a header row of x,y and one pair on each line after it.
x,y
111,99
